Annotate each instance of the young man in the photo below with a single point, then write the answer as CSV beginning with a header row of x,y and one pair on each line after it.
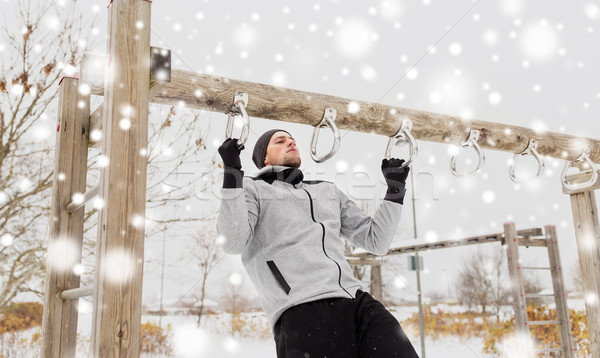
x,y
289,231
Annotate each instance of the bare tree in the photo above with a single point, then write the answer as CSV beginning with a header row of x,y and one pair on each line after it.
x,y
31,66
482,281
206,252
234,298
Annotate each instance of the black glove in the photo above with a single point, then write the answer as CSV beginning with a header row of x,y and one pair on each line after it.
x,y
395,177
230,153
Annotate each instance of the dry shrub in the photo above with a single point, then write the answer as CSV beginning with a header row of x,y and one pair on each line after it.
x,y
156,340
475,325
20,316
447,324
545,336
242,325
14,321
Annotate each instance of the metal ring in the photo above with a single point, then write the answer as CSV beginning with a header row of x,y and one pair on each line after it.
x,y
585,156
532,150
327,121
471,142
404,134
240,102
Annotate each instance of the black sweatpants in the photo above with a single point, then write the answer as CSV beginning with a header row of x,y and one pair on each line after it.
x,y
358,327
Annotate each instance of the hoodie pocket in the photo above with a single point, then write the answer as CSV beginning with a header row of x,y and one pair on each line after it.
x,y
279,277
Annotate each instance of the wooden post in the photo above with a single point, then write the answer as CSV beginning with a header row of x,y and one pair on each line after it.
x,y
587,235
59,322
560,294
518,296
120,246
376,289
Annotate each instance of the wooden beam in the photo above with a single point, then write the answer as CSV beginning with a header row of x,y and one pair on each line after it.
x,y
560,293
59,322
96,116
587,235
355,261
524,239
212,93
116,326
516,279
581,178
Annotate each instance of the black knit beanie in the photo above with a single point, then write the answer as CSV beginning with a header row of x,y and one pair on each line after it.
x,y
260,148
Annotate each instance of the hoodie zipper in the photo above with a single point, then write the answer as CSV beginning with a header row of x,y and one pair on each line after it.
x,y
323,243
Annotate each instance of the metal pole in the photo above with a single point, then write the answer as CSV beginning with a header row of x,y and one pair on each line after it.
x,y
162,280
418,266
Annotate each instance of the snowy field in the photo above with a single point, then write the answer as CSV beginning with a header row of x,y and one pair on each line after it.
x,y
212,340
190,341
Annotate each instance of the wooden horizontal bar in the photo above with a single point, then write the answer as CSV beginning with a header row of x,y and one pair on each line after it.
x,y
364,261
538,295
542,323
76,293
96,118
422,245
581,178
213,93
87,196
535,268
532,242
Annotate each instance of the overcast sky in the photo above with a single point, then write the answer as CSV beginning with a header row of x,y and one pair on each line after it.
x,y
527,63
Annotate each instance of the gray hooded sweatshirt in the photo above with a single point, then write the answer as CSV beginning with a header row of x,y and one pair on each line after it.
x,y
290,231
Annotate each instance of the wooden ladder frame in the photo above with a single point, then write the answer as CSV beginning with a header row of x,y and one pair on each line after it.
x,y
519,296
512,239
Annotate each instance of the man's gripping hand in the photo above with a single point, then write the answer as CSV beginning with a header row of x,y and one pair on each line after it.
x,y
230,153
395,177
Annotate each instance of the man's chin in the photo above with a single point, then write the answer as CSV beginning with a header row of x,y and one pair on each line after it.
x,y
292,163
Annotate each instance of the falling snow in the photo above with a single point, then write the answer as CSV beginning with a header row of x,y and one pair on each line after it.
x,y
6,240
498,72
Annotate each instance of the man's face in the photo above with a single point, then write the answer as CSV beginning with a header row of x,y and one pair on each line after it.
x,y
282,151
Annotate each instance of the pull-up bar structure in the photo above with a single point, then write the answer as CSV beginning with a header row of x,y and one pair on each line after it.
x,y
130,77
511,239
215,94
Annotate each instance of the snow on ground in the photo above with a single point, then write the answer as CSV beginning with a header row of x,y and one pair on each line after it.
x,y
212,340
189,341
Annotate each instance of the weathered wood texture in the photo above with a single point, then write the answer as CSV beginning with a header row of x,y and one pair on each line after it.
x,y
582,177
560,294
216,94
524,239
587,235
59,322
96,116
120,246
518,295
354,261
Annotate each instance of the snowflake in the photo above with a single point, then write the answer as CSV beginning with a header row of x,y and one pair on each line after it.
x,y
539,42
353,38
6,240
488,196
235,278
